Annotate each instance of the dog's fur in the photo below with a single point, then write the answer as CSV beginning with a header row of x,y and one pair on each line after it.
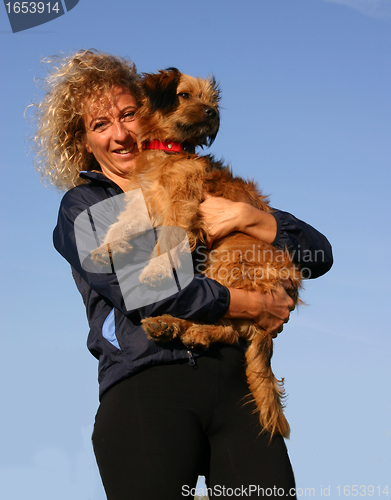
x,y
183,109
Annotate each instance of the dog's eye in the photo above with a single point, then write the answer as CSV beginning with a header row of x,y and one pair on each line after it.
x,y
184,95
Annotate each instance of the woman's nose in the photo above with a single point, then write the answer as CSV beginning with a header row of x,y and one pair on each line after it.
x,y
120,131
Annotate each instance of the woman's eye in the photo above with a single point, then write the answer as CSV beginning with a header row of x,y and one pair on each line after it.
x,y
98,125
129,116
184,95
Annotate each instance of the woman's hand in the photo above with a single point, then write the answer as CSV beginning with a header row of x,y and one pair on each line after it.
x,y
223,217
275,309
269,310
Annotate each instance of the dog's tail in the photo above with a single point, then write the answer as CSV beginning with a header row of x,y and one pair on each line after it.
x,y
267,390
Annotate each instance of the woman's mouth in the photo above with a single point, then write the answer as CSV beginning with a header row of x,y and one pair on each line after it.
x,y
126,151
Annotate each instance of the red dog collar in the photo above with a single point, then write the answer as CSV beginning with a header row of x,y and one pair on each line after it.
x,y
169,147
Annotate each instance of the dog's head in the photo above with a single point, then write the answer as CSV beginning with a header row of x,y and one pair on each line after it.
x,y
180,108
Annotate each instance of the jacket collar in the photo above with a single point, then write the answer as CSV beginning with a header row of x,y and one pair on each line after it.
x,y
97,177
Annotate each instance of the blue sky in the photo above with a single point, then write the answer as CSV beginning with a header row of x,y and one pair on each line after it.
x,y
306,108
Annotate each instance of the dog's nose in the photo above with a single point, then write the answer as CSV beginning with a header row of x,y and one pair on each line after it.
x,y
210,112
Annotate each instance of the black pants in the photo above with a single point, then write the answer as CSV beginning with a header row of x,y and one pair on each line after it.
x,y
158,430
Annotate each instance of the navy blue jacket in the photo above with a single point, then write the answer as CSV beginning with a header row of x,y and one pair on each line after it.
x,y
116,338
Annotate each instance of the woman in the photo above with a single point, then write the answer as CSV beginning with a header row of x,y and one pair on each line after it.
x,y
160,423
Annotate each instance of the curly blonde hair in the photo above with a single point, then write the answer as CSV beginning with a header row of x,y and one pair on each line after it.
x,y
72,82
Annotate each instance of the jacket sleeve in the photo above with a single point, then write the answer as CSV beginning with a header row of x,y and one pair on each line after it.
x,y
203,299
309,249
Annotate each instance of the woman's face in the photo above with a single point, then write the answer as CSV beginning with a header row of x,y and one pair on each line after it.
x,y
111,133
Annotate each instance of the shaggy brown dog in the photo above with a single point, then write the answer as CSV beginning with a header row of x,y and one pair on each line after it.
x,y
184,110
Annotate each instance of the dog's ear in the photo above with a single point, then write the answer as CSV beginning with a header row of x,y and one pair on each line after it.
x,y
217,97
160,89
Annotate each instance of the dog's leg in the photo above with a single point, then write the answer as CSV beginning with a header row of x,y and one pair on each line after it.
x,y
132,221
172,246
203,335
165,328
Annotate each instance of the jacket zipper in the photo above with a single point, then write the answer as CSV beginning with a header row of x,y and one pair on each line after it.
x,y
191,358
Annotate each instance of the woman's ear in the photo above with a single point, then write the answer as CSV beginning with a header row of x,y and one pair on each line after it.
x,y
81,142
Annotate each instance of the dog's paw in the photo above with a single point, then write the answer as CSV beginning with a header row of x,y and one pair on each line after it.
x,y
155,273
159,330
119,247
195,337
101,256
105,254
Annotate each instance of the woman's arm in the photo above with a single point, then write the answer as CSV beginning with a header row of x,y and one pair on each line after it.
x,y
224,216
307,246
203,299
269,310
